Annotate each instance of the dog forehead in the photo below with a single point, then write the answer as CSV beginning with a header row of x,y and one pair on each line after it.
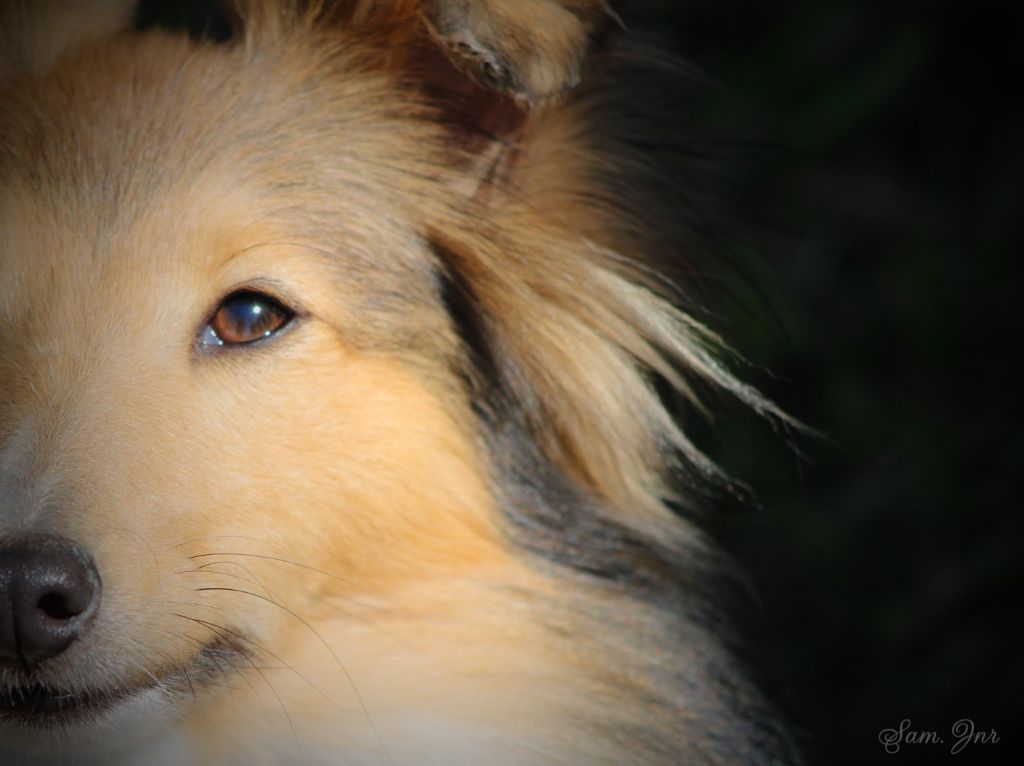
x,y
128,156
54,242
155,108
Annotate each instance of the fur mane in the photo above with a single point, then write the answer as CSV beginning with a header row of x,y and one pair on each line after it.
x,y
579,284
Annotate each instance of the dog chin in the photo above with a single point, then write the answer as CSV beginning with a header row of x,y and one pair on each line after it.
x,y
97,730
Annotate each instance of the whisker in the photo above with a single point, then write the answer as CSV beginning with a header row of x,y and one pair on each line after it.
x,y
255,579
223,574
273,558
214,537
156,681
177,666
216,661
348,676
191,686
284,709
279,606
284,665
256,694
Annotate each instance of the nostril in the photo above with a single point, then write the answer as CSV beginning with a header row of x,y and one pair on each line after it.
x,y
57,606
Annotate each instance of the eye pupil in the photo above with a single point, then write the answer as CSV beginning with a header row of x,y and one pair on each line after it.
x,y
245,317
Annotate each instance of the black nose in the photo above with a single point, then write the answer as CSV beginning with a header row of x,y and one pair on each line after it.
x,y
49,595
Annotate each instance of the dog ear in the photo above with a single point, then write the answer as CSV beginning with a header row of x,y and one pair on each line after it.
x,y
35,33
533,51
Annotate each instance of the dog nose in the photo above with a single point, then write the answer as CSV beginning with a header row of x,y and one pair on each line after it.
x,y
49,595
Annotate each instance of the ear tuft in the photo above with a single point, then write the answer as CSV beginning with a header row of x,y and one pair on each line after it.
x,y
531,50
34,34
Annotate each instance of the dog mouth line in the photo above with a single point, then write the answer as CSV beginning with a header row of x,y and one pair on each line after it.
x,y
36,705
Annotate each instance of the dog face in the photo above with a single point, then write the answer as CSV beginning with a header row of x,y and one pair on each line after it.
x,y
325,427
193,234
173,434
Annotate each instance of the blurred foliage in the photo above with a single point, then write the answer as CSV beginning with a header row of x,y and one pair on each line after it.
x,y
886,560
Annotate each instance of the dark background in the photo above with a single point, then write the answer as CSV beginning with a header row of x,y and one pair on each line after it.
x,y
886,159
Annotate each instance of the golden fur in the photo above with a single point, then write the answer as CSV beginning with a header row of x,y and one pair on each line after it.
x,y
426,525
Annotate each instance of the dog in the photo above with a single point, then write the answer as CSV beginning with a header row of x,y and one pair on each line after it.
x,y
337,360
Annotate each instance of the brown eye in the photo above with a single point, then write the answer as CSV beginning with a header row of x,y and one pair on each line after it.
x,y
245,317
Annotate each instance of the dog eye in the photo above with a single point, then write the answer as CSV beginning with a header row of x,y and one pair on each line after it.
x,y
245,317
